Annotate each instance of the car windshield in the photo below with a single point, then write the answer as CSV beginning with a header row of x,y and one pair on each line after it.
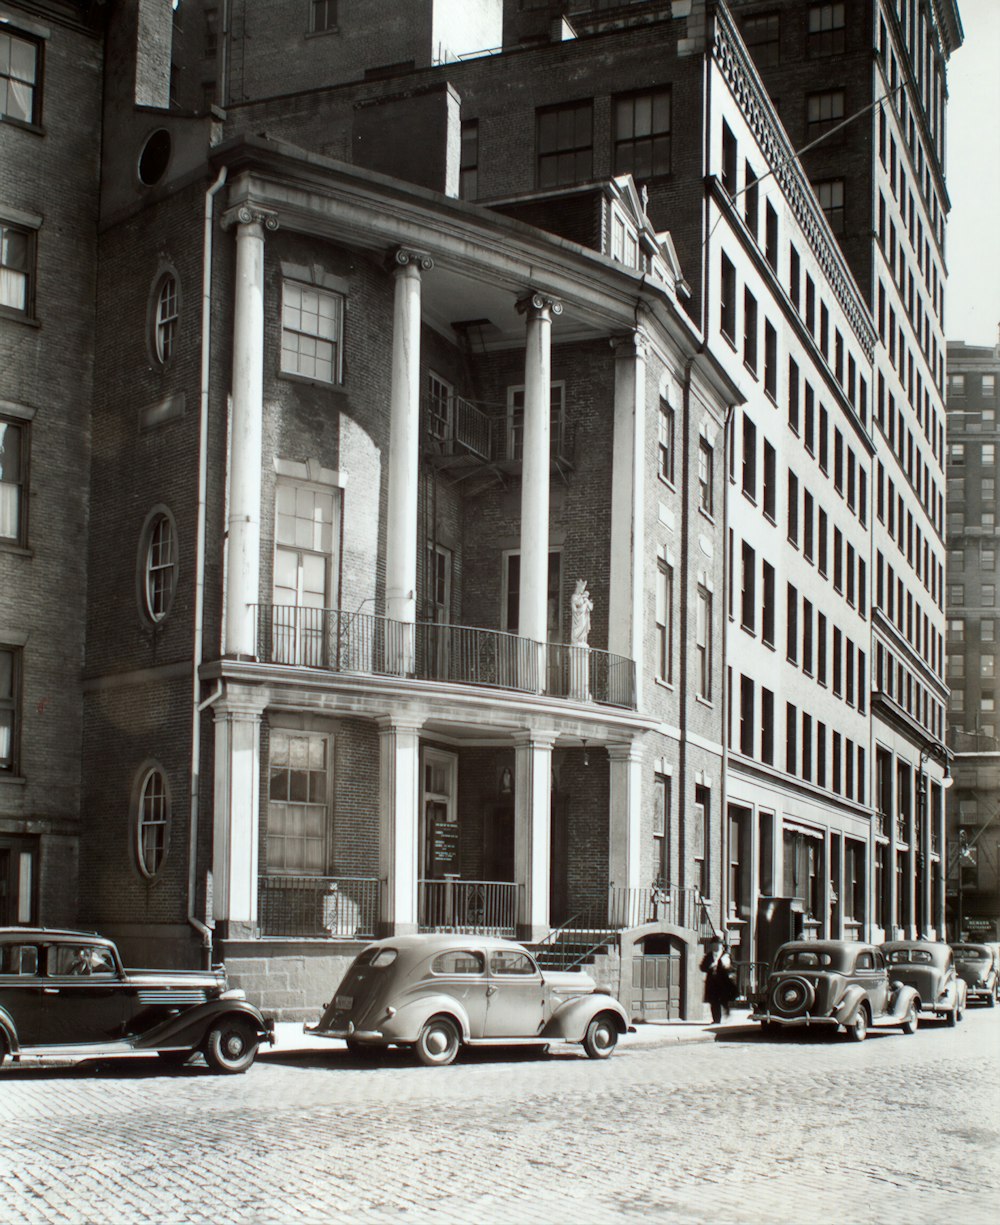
x,y
969,954
917,957
803,959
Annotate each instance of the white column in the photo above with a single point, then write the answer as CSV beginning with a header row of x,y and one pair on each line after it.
x,y
627,490
533,832
404,453
237,811
625,816
243,543
399,824
533,591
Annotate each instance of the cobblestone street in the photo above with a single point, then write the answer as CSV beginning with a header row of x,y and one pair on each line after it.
x,y
741,1129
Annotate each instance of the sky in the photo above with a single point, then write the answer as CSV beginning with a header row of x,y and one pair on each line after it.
x,y
972,301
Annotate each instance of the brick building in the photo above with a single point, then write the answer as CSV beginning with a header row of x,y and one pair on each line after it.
x,y
50,99
974,802
488,480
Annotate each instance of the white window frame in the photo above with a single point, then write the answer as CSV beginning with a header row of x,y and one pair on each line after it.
x,y
665,621
166,317
515,417
14,482
447,798
298,638
159,580
440,407
152,816
322,808
554,631
301,302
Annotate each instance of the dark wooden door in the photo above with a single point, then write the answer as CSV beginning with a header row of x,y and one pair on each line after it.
x,y
498,843
656,986
559,869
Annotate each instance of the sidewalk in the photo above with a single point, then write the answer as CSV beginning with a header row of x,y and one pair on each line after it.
x,y
289,1036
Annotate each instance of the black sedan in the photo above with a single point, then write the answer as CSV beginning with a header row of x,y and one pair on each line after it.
x,y
65,994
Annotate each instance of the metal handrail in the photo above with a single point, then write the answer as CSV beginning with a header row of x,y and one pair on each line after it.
x,y
294,904
598,924
487,907
338,640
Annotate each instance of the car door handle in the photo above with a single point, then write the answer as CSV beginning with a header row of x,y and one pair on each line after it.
x,y
491,991
50,990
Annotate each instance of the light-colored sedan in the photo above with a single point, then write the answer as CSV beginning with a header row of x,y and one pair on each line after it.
x,y
437,993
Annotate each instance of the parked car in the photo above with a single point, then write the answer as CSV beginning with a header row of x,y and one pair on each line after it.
x,y
977,964
66,994
436,993
929,968
839,983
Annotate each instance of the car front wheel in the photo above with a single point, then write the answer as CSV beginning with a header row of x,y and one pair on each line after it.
x,y
601,1037
857,1031
911,1020
438,1043
230,1046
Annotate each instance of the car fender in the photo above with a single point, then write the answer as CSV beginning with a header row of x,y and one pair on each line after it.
x,y
571,1019
903,998
846,1010
8,1033
190,1027
405,1025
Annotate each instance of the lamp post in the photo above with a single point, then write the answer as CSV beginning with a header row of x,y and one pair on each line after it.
x,y
937,750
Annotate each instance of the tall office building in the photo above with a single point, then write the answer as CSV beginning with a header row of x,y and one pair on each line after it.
x,y
973,730
869,76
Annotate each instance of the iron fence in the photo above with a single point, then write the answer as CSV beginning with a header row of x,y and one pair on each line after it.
x,y
318,907
487,907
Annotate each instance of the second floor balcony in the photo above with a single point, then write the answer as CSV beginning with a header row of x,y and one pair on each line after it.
x,y
335,640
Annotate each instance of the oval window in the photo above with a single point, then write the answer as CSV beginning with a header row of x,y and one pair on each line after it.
x,y
155,157
160,566
152,818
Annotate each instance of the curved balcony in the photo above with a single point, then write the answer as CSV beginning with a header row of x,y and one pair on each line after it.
x,y
335,640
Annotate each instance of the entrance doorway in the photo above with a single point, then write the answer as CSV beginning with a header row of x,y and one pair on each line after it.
x,y
657,979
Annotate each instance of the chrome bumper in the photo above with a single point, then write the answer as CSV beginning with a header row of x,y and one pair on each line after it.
x,y
773,1019
355,1035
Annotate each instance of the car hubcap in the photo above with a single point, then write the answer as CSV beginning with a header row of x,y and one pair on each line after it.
x,y
602,1037
234,1046
437,1042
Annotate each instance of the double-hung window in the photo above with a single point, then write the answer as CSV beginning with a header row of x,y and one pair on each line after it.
x,y
830,193
312,325
565,144
665,621
665,441
703,643
20,79
10,696
17,268
13,481
826,28
297,811
306,535
706,460
824,111
642,134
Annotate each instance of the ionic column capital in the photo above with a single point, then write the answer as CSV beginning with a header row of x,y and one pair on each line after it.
x,y
633,344
404,259
249,215
539,306
534,740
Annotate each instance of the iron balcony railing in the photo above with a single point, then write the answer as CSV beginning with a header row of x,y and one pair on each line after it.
x,y
486,907
340,641
901,831
456,426
882,824
318,907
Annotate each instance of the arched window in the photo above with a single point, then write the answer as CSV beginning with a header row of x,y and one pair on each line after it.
x,y
160,566
165,323
152,815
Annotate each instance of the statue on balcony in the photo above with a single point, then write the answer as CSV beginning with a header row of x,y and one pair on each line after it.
x,y
581,605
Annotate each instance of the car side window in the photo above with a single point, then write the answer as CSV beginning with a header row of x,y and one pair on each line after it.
x,y
920,957
19,959
865,961
458,961
510,962
79,960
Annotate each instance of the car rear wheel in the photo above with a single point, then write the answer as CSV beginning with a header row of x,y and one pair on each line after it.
x,y
601,1037
230,1046
952,1016
990,1000
438,1043
857,1030
911,1020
